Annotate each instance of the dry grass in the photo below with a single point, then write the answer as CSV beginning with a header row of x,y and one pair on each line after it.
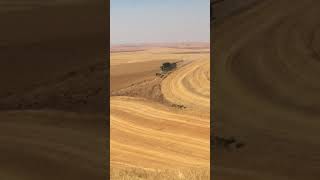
x,y
139,174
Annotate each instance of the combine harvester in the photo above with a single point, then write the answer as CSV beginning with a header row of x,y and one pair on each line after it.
x,y
167,67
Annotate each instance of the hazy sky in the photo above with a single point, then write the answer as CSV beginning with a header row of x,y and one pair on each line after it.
x,y
147,21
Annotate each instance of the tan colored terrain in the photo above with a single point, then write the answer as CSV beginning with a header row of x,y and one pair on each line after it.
x,y
266,91
53,90
147,130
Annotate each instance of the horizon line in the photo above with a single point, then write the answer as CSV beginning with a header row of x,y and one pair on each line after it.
x,y
143,43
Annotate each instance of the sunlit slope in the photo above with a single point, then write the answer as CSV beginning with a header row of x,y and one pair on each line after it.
x,y
190,86
149,135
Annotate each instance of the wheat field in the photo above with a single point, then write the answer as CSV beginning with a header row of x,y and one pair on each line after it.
x,y
139,174
147,133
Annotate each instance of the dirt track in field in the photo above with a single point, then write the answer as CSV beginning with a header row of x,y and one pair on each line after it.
x,y
266,69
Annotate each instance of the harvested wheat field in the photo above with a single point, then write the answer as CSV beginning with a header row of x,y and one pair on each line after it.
x,y
160,125
266,69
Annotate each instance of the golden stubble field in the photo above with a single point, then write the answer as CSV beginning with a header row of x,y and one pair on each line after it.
x,y
160,126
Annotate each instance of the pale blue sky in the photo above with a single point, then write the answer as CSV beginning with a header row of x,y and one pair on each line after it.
x,y
149,21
